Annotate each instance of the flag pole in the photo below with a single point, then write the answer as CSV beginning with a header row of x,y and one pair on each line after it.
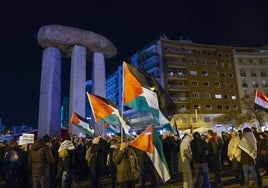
x,y
122,101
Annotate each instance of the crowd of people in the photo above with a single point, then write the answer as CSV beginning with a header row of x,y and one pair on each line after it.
x,y
50,163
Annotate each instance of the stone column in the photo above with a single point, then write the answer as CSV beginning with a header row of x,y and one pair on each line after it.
x,y
77,85
98,82
50,93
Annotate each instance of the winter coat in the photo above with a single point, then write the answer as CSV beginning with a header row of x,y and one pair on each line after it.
x,y
128,167
40,159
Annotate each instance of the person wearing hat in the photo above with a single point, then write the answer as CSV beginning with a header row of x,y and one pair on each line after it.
x,y
186,157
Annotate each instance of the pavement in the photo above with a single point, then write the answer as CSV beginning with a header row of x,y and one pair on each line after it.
x,y
227,178
228,181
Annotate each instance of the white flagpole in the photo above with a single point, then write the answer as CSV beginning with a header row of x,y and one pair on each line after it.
x,y
122,101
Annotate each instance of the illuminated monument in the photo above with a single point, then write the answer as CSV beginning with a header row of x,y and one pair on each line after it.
x,y
81,46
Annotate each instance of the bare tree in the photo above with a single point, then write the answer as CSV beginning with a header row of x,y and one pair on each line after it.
x,y
247,102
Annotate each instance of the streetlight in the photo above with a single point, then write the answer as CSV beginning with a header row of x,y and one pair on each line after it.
x,y
195,110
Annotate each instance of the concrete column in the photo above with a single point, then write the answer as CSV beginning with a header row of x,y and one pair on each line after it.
x,y
50,93
77,99
98,82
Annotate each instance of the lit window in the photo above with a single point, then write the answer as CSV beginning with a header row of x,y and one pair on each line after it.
x,y
233,97
193,72
218,96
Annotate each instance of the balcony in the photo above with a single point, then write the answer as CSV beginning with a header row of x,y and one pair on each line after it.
x,y
175,87
175,64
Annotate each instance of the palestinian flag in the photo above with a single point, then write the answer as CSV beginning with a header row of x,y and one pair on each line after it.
x,y
261,101
150,142
111,129
105,110
82,124
143,93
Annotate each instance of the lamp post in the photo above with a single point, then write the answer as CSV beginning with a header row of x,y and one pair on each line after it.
x,y
195,110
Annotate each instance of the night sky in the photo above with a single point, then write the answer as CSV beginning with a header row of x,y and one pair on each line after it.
x,y
128,24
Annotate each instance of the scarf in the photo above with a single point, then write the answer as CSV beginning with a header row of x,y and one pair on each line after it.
x,y
248,144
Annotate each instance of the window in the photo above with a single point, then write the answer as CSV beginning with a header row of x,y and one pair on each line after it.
x,y
194,83
195,95
244,84
227,107
206,95
243,73
254,84
183,107
204,73
217,84
191,61
235,107
264,83
232,85
219,107
214,62
230,75
203,62
233,97
208,107
193,72
253,74
229,65
215,73
205,84
263,74
222,65
226,96
227,55
218,96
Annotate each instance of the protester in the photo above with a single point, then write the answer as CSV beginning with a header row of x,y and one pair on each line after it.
x,y
128,168
214,156
110,163
40,160
95,160
234,154
200,158
13,165
186,157
248,146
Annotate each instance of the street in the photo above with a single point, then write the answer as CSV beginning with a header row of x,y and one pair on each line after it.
x,y
227,178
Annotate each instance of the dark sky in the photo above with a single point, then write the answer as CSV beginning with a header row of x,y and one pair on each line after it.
x,y
128,24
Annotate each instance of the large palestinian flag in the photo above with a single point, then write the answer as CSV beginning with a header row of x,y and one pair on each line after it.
x,y
82,124
143,93
150,142
105,110
261,101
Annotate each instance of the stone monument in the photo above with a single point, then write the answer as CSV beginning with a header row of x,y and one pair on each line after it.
x,y
81,46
